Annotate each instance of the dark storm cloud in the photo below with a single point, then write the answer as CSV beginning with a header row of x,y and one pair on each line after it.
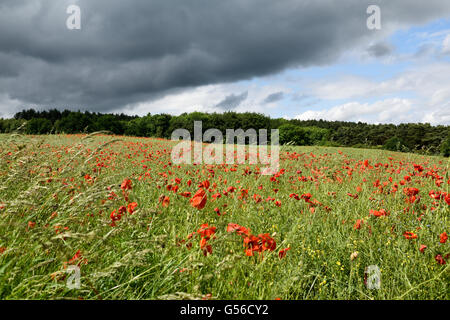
x,y
232,101
132,51
274,97
380,49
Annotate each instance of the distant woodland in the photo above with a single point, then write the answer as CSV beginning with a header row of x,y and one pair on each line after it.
x,y
412,137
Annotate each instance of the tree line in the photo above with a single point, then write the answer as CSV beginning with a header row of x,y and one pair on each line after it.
x,y
412,137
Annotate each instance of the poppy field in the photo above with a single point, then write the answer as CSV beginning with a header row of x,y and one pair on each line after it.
x,y
138,226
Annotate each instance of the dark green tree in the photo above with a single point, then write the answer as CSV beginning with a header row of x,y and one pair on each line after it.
x,y
445,147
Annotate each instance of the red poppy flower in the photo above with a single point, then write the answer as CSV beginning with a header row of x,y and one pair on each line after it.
x,y
78,257
435,194
443,237
206,232
257,198
409,235
357,225
244,194
447,198
259,244
199,199
295,196
165,201
366,163
216,196
306,196
440,259
282,253
115,216
204,184
268,243
379,213
75,257
411,191
239,229
126,185
131,207
122,210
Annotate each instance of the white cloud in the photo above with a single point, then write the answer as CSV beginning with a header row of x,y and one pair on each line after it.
x,y
206,98
346,87
420,94
426,88
424,81
8,106
386,111
439,116
446,45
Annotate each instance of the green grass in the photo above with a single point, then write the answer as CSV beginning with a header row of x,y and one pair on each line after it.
x,y
141,257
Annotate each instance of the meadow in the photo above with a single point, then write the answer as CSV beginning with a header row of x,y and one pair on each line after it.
x,y
140,227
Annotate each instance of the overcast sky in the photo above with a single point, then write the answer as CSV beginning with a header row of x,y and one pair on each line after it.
x,y
305,59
